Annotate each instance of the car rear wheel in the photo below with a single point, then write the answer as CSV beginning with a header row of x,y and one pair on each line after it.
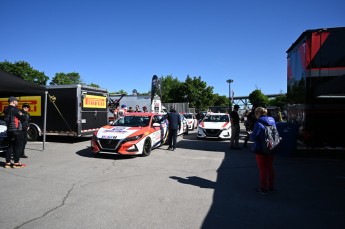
x,y
147,147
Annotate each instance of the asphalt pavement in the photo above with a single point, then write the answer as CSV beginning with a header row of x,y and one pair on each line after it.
x,y
202,184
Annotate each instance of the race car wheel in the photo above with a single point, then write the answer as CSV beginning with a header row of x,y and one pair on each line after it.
x,y
147,147
186,132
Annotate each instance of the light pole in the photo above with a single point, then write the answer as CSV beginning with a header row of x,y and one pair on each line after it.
x,y
229,81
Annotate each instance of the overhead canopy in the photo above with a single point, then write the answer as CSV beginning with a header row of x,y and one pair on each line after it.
x,y
11,85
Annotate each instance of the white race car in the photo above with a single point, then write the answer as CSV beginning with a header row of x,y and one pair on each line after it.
x,y
184,126
134,133
215,125
191,121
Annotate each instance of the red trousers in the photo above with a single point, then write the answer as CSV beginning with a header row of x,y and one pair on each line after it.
x,y
265,165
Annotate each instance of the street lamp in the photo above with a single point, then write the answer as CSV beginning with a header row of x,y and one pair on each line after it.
x,y
229,81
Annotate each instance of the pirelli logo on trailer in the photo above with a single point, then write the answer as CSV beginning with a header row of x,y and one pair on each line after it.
x,y
94,101
33,101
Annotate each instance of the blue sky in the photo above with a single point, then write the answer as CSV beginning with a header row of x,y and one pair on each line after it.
x,y
121,44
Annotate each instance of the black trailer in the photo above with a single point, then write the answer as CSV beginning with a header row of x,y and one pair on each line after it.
x,y
72,110
316,86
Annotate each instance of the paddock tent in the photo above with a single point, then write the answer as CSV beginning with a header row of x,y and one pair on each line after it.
x,y
11,85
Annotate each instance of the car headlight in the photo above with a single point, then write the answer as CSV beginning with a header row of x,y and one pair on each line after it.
x,y
134,138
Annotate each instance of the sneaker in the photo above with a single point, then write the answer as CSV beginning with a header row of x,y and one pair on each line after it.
x,y
7,165
18,165
169,148
173,149
24,156
261,191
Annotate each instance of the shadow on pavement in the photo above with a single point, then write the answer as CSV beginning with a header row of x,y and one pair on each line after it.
x,y
191,142
310,191
88,153
197,181
64,139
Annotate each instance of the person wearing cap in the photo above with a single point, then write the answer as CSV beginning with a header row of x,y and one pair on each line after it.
x,y
25,126
13,119
235,128
174,119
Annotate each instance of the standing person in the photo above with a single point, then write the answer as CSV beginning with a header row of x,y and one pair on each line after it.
x,y
137,108
251,121
13,119
145,109
130,109
122,111
264,161
25,126
235,128
174,125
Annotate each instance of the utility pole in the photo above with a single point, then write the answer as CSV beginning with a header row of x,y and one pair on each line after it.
x,y
229,81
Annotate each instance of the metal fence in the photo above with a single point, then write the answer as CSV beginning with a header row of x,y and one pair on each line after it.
x,y
179,107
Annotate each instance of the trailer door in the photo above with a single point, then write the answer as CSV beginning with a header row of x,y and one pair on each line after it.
x,y
94,113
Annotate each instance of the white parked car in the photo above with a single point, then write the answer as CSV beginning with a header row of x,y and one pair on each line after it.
x,y
3,136
184,126
192,122
215,125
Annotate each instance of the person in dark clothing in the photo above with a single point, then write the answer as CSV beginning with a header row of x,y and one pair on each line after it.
x,y
264,161
25,126
145,109
235,128
174,125
251,119
13,119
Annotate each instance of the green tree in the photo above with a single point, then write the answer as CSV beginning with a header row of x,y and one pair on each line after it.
x,y
69,78
197,93
25,71
94,85
221,100
280,101
258,98
171,90
119,92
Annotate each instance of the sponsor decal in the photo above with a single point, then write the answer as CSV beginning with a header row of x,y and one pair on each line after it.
x,y
121,130
33,101
93,101
108,137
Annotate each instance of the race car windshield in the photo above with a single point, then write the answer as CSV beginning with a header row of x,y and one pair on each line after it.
x,y
132,121
216,118
189,116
